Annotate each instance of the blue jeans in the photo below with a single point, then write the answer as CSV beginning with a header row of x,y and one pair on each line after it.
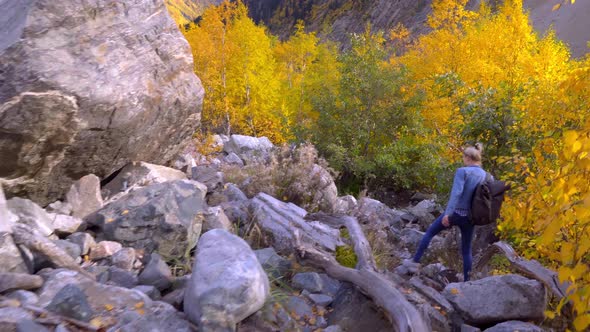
x,y
466,235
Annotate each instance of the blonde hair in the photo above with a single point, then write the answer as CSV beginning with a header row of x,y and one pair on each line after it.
x,y
474,152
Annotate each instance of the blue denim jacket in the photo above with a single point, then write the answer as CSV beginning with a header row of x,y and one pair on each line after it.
x,y
466,180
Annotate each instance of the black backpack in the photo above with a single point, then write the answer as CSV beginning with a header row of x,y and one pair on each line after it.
x,y
487,200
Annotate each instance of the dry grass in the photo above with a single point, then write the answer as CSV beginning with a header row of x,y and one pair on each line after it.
x,y
289,176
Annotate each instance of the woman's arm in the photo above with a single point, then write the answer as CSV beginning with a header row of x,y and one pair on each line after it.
x,y
458,184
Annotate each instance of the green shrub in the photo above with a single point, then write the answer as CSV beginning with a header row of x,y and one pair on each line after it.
x,y
346,256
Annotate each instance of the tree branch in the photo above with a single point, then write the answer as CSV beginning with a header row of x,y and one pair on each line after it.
x,y
403,316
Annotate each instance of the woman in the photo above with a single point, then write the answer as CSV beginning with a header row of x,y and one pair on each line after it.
x,y
458,209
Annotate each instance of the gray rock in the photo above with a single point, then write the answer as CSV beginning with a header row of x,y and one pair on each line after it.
x,y
98,294
513,325
207,175
31,215
345,204
333,328
71,248
71,302
27,325
425,212
436,320
156,273
5,222
309,281
330,285
326,195
23,296
64,225
233,193
238,212
84,196
123,278
115,83
104,249
296,305
233,159
121,301
175,298
166,217
10,257
249,149
376,215
141,174
164,319
124,258
150,291
431,294
181,282
411,238
59,207
239,289
84,240
353,311
274,265
61,328
321,322
10,316
215,218
280,220
498,298
321,299
10,281
469,328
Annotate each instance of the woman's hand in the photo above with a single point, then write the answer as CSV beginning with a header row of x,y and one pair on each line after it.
x,y
446,222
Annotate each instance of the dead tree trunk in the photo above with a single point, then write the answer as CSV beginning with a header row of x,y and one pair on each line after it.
x,y
529,268
403,316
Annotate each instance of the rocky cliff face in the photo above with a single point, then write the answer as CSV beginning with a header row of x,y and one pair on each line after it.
x,y
335,19
86,87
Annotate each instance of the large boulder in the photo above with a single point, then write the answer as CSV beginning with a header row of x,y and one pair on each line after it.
x,y
140,174
165,217
87,87
497,299
249,149
279,220
226,285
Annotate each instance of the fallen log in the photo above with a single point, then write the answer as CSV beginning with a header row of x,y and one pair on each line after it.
x,y
403,316
528,268
31,239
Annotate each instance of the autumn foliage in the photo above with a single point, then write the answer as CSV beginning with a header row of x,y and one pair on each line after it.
x,y
388,120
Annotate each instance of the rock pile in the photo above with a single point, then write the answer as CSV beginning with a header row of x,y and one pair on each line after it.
x,y
154,253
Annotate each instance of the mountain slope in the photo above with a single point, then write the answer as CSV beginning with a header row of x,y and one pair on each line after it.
x,y
571,22
336,18
185,11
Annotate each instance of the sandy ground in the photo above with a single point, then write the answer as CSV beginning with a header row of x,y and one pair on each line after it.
x,y
571,22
